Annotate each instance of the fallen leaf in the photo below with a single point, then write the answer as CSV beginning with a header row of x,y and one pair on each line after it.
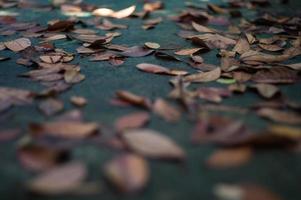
x,y
128,172
133,99
275,75
226,158
152,68
78,101
186,52
105,12
18,44
65,129
152,45
73,76
132,121
136,51
51,106
166,111
59,180
152,144
40,158
204,76
266,90
202,29
280,116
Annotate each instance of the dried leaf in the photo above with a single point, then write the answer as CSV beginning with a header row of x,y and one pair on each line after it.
x,y
60,180
18,44
152,45
151,68
73,76
133,99
132,121
226,158
78,101
105,12
51,106
280,116
186,52
152,144
204,76
275,75
128,172
202,29
137,51
38,158
65,129
166,111
266,90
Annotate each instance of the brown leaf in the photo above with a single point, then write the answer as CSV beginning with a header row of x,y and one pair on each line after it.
x,y
186,52
226,158
63,25
204,76
275,75
242,46
37,158
202,29
108,25
280,116
269,58
213,94
18,44
133,99
59,180
65,129
137,51
128,172
214,40
51,59
151,68
166,111
10,97
51,106
132,121
152,144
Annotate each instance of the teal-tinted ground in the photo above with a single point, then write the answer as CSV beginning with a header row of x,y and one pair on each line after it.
x,y
275,169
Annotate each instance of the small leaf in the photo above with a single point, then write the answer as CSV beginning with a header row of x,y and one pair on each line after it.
x,y
226,158
152,144
132,121
204,76
128,172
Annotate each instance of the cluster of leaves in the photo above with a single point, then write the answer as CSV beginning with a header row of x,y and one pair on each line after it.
x,y
248,62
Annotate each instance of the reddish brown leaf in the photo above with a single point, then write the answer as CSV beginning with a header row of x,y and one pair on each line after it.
x,y
18,44
166,111
60,180
152,144
226,158
128,172
204,76
132,121
65,129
